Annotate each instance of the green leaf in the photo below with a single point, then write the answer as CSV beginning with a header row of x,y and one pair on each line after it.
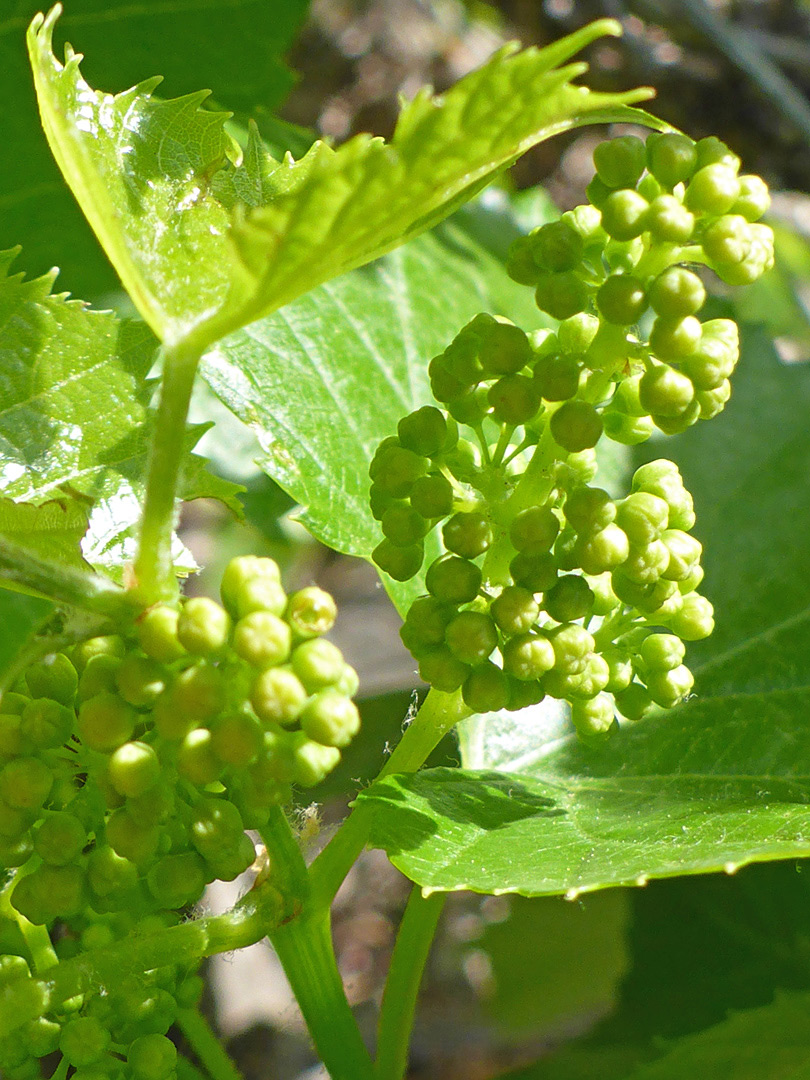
x,y
721,786
206,240
701,946
236,43
770,1043
53,530
75,423
552,961
322,381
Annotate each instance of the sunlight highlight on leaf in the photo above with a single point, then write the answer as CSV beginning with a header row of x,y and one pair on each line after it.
x,y
206,239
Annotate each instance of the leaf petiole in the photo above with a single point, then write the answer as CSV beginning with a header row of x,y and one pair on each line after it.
x,y
438,715
154,568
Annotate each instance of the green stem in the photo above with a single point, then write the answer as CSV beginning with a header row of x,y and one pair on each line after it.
x,y
404,979
37,938
507,431
153,562
187,1071
303,944
39,944
613,626
287,867
535,484
206,1045
61,1071
98,969
304,947
63,583
439,714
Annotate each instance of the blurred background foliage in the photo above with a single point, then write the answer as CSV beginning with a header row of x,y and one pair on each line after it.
x,y
590,988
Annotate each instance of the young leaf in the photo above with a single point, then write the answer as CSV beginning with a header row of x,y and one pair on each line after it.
x,y
237,43
205,242
722,787
324,380
75,422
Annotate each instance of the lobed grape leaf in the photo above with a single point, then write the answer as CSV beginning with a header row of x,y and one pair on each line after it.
x,y
237,43
207,239
720,782
700,948
74,425
325,379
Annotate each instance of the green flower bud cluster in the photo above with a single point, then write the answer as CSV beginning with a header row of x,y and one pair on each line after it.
x,y
129,772
120,1035
624,265
585,581
547,585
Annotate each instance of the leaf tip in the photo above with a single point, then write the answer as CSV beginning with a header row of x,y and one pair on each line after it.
x,y
41,28
608,28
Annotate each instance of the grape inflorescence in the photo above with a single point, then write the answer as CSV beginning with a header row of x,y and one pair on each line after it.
x,y
548,585
130,769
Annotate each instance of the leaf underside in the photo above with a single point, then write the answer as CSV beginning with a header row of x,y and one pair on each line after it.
x,y
769,1043
206,239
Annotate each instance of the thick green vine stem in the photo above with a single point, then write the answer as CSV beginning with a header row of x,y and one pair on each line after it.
x,y
549,585
154,569
206,1045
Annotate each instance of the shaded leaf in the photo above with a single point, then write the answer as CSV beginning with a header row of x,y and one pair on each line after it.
x,y
237,43
206,239
554,962
770,1043
701,946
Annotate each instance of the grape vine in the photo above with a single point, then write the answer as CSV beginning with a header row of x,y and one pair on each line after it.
x,y
131,769
548,585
